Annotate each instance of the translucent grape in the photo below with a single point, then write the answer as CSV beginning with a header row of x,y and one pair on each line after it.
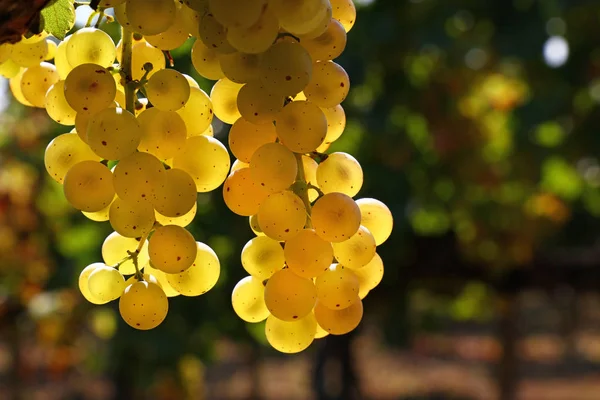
x,y
307,255
36,81
60,59
336,123
329,84
197,112
240,67
174,36
248,300
190,20
172,249
98,216
242,194
84,277
321,333
337,288
339,322
163,133
288,296
369,276
113,133
274,167
90,88
177,195
63,152
298,16
106,283
224,98
282,215
131,219
257,105
237,165
345,12
213,34
262,257
340,172
115,248
245,138
237,13
10,70
201,276
168,90
182,221
88,186
357,251
150,17
206,160
143,53
335,217
319,24
258,37
253,222
138,177
329,45
143,305
310,176
206,61
377,217
90,45
51,50
29,54
285,68
5,51
57,106
292,336
162,280
82,121
301,126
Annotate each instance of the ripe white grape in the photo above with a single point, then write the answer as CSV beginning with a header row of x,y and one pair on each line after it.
x,y
299,16
339,322
307,255
88,186
84,277
115,248
57,106
248,300
29,54
206,160
245,138
175,35
138,177
377,217
357,251
240,67
162,280
329,45
168,90
340,172
258,105
369,276
106,283
131,219
90,88
335,217
301,126
60,59
285,68
274,167
237,13
15,83
90,45
113,133
337,288
182,221
242,194
291,336
282,215
336,123
163,132
36,81
201,276
213,34
290,297
329,84
345,12
224,98
206,61
197,113
177,195
143,305
262,257
150,17
256,38
99,216
172,249
63,152
310,176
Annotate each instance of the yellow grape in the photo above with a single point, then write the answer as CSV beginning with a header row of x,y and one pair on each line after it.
x,y
213,34
99,216
197,113
88,186
90,45
301,126
253,221
63,152
299,16
90,88
289,296
245,138
285,68
310,175
162,280
291,336
115,248
321,333
143,305
336,122
262,257
15,85
82,121
206,160
57,106
190,20
242,194
145,278
106,283
60,59
237,13
142,53
345,12
274,167
256,38
206,61
339,322
307,255
201,276
340,172
131,219
224,98
168,90
163,132
327,46
377,217
257,105
337,288
121,18
357,251
29,54
36,81
240,67
113,133
138,177
5,52
237,165
329,84
248,300
34,38
150,17
10,70
177,196
369,276
319,24
51,50
335,217
172,249
182,221
174,36
192,82
282,215
200,6
84,277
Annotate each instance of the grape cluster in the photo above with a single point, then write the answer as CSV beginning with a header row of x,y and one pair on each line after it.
x,y
140,151
314,256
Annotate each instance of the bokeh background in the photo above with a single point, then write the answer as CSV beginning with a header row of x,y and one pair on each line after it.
x,y
475,121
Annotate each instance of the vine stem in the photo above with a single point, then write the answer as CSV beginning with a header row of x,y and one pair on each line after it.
x,y
126,68
302,189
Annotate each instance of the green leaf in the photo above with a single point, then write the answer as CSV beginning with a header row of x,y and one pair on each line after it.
x,y
58,17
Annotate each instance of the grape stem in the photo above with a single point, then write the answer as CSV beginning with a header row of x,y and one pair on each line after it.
x,y
316,189
302,189
135,254
286,34
126,69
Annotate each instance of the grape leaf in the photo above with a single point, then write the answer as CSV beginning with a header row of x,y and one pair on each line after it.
x,y
58,17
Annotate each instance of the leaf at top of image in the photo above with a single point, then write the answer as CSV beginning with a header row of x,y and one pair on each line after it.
x,y
58,17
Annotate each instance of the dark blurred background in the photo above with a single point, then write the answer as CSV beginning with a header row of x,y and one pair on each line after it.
x,y
477,122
